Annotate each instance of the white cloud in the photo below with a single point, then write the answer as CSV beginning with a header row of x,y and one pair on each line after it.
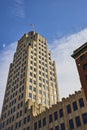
x,y
6,56
68,78
61,50
18,8
4,45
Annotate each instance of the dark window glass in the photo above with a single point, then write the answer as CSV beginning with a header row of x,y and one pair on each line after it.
x,y
50,118
28,118
51,128
35,126
61,113
19,123
55,115
68,108
25,110
16,125
75,106
82,57
62,126
39,124
81,102
84,117
57,127
25,120
71,124
85,66
28,128
78,122
44,121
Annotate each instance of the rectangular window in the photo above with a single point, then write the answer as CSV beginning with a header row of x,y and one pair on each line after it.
x,y
35,126
51,128
31,80
25,120
68,109
34,89
75,106
55,115
71,124
50,118
82,57
57,127
78,122
30,95
30,73
81,102
84,117
62,126
61,113
85,66
28,128
30,87
19,123
39,124
44,121
28,118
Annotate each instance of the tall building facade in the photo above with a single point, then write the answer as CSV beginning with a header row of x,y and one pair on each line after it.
x,y
31,99
80,56
32,81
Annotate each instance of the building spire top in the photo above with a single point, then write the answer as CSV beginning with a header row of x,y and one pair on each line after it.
x,y
33,26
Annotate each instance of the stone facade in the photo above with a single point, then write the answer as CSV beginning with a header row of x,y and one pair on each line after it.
x,y
31,99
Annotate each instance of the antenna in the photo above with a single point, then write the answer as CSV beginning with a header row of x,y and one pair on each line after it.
x,y
33,27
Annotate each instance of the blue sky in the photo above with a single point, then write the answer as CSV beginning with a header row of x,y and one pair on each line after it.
x,y
62,22
52,18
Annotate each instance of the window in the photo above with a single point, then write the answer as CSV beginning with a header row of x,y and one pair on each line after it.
x,y
50,118
30,87
81,102
44,121
19,123
35,126
51,128
55,115
39,124
34,89
28,128
25,110
75,106
30,95
84,117
68,109
31,80
57,127
78,122
25,120
30,73
85,66
61,113
62,126
28,118
71,124
82,57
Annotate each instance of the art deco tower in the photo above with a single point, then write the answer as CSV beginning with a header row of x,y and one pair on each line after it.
x,y
31,79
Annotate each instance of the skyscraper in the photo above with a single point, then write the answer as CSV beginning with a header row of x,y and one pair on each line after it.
x,y
32,81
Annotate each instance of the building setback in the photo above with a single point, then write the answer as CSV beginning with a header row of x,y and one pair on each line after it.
x,y
31,100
